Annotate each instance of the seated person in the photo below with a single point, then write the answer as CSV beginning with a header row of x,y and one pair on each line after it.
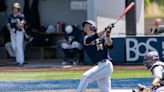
x,y
71,43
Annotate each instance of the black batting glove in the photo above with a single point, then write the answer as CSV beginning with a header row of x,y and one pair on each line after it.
x,y
108,29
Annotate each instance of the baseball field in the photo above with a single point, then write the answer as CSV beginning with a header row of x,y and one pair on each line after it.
x,y
66,78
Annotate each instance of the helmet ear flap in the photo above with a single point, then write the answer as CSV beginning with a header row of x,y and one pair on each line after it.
x,y
94,29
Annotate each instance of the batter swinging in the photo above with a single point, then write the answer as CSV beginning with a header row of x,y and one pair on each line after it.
x,y
96,46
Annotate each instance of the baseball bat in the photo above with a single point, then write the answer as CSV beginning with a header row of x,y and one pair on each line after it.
x,y
130,6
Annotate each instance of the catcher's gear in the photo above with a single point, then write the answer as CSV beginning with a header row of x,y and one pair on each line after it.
x,y
92,23
68,29
150,58
16,5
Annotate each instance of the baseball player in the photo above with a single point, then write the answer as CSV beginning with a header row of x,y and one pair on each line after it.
x,y
71,43
152,62
15,25
96,46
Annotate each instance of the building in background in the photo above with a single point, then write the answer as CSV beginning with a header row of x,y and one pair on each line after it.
x,y
103,12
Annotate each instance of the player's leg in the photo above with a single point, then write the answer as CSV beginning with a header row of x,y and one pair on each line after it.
x,y
13,41
9,49
19,44
65,47
85,79
102,70
76,44
76,47
104,84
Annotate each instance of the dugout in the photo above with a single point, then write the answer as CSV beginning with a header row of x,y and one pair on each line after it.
x,y
75,12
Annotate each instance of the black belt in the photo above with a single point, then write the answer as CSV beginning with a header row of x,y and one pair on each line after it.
x,y
102,61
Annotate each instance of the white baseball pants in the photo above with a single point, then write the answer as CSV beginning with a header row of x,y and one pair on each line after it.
x,y
74,44
17,39
100,73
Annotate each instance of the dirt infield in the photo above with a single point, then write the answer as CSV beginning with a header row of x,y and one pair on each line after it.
x,y
9,66
62,68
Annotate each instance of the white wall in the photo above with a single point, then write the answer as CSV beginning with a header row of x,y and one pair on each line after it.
x,y
140,17
52,11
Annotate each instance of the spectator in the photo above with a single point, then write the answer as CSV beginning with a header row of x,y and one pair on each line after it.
x,y
155,28
71,44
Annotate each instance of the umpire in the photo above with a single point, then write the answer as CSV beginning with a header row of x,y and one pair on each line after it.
x,y
96,46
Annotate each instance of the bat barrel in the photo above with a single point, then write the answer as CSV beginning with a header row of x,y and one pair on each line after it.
x,y
126,10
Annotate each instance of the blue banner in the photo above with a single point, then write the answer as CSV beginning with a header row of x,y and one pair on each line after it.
x,y
130,50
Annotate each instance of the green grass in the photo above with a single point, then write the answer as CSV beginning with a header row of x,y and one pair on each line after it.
x,y
131,74
68,75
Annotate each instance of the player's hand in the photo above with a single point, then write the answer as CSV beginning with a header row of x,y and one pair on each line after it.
x,y
20,25
109,27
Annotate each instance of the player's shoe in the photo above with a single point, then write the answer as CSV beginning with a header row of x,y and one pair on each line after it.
x,y
19,65
12,59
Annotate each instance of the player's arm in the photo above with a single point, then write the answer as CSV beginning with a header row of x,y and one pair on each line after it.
x,y
22,21
156,82
88,39
8,26
8,23
109,40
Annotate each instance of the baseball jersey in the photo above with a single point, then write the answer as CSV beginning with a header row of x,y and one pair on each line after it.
x,y
14,20
74,36
95,48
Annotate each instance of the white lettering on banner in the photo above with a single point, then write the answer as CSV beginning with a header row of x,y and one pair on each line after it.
x,y
162,49
135,49
163,45
162,53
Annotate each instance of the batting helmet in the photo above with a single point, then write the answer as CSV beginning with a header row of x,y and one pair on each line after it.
x,y
150,58
92,23
16,5
68,29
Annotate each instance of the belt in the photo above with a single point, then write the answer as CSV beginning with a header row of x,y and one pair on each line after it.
x,y
102,61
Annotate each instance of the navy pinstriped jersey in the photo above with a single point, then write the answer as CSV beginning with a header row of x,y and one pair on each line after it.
x,y
95,48
14,20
